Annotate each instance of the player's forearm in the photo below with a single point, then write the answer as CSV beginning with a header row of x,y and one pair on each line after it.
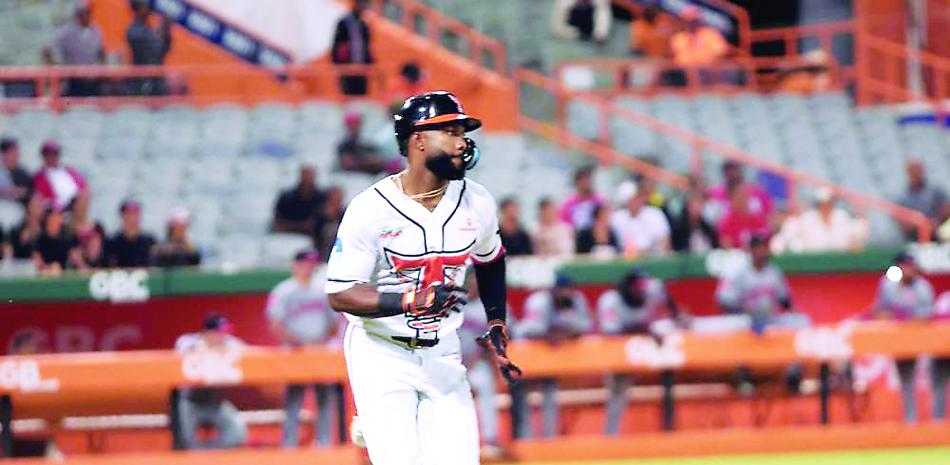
x,y
493,289
363,300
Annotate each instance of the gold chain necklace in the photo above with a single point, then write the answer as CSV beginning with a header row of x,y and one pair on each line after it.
x,y
423,196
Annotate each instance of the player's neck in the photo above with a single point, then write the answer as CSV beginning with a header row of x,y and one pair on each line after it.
x,y
419,181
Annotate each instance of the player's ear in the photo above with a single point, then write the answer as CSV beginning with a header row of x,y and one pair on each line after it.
x,y
416,140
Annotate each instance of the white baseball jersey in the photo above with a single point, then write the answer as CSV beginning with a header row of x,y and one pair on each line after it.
x,y
394,242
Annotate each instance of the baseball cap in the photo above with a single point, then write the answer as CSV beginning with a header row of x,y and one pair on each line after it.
x,y
217,322
50,145
562,280
6,142
179,215
823,194
904,257
130,204
307,255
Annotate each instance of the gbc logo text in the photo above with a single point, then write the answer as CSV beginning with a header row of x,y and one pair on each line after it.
x,y
24,375
212,367
119,285
645,351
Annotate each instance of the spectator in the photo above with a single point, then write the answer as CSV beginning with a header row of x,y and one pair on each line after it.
x,y
740,223
641,228
409,82
16,184
60,186
554,315
75,44
691,231
298,207
207,406
513,236
91,254
943,232
811,75
299,315
924,197
551,237
720,197
481,369
578,209
22,239
599,240
904,294
697,46
582,20
130,247
354,153
632,307
54,245
650,33
351,45
328,221
822,228
149,46
177,250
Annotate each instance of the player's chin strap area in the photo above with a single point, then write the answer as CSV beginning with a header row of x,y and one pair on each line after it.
x,y
471,154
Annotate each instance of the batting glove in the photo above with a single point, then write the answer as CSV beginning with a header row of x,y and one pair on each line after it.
x,y
496,341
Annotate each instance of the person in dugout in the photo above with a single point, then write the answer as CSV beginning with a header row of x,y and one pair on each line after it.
x,y
555,316
207,407
638,305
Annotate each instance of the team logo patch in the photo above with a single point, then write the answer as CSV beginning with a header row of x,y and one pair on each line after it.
x,y
469,226
390,233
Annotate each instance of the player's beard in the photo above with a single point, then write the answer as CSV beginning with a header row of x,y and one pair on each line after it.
x,y
443,167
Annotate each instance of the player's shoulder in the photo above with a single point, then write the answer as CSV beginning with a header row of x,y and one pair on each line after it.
x,y
609,297
478,196
284,286
366,204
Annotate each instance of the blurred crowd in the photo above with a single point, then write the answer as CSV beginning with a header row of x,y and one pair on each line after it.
x,y
56,234
643,221
685,47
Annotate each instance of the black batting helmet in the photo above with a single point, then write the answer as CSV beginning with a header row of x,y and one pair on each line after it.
x,y
429,111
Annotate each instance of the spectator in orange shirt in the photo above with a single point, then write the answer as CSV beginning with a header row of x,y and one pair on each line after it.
x,y
697,46
811,75
650,33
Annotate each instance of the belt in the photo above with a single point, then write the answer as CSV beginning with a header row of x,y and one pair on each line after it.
x,y
414,342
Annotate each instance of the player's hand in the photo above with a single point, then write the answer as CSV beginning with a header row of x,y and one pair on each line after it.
x,y
496,341
436,300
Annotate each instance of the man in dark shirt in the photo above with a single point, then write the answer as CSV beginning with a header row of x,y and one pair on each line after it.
x,y
297,208
513,235
130,247
351,46
354,153
54,244
15,183
149,45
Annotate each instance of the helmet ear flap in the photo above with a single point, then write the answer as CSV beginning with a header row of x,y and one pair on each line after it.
x,y
471,154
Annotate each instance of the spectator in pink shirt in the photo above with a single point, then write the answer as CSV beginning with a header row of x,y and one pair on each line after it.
x,y
759,201
578,209
59,186
741,222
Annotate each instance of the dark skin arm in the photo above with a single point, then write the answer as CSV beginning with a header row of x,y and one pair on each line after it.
x,y
360,300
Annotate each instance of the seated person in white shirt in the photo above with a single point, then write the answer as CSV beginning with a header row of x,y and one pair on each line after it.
x,y
641,228
824,227
59,186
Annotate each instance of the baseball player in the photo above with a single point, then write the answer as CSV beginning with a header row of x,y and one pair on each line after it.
x,y
298,314
633,307
396,271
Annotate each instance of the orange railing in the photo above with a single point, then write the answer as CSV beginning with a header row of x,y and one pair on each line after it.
x,y
441,29
824,34
646,76
882,73
699,144
193,84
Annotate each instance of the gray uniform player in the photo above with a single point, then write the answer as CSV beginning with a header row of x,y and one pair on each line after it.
x,y
631,308
911,297
298,313
554,315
